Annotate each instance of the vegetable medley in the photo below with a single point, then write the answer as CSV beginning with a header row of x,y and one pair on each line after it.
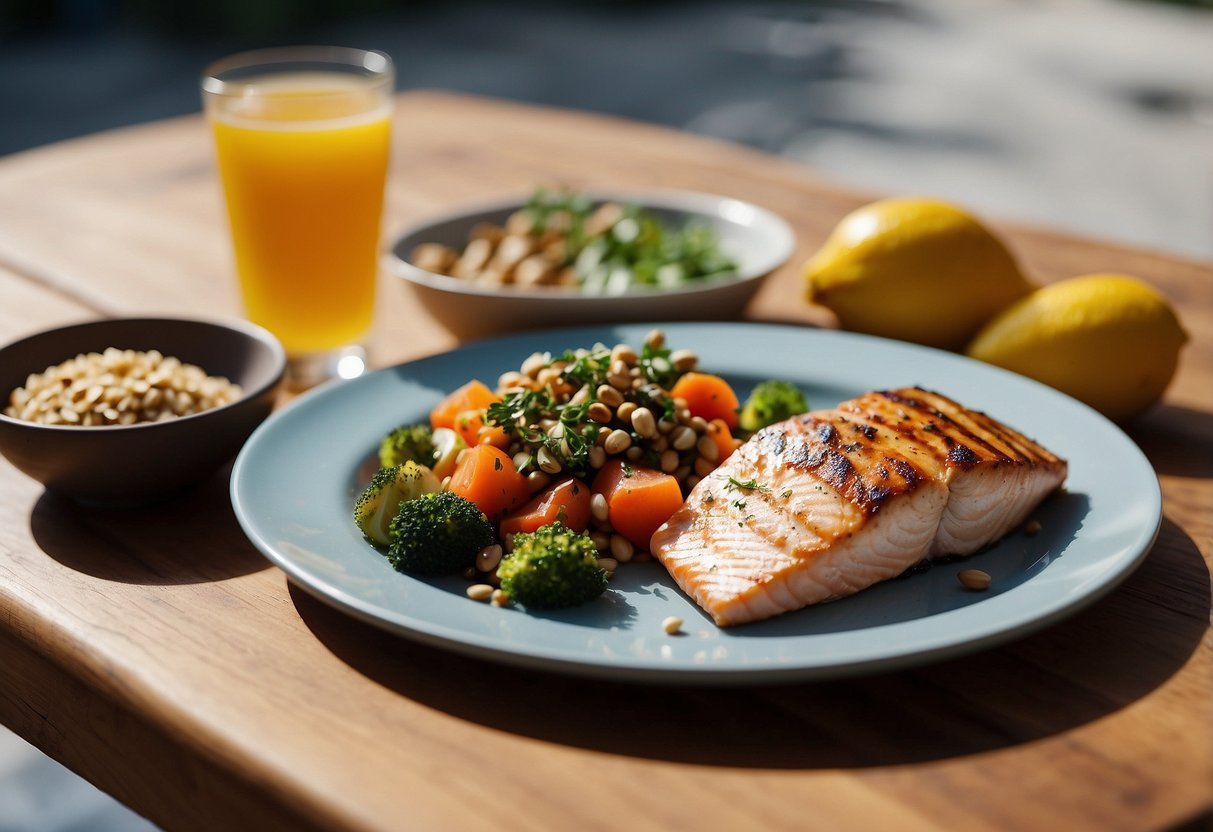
x,y
561,238
538,488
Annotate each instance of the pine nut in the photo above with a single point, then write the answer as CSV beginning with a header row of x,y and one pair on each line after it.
x,y
704,466
621,548
708,448
634,453
655,340
684,359
624,353
620,381
624,411
537,481
644,423
599,508
698,424
618,442
672,625
669,461
683,438
609,395
666,425
499,598
536,362
488,557
510,380
599,412
547,376
480,592
974,579
609,564
547,462
597,457
602,540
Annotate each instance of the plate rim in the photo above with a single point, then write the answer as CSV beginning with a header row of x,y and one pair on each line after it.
x,y
538,657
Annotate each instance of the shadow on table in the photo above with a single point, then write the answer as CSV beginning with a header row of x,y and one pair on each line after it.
x,y
143,545
1082,669
1178,440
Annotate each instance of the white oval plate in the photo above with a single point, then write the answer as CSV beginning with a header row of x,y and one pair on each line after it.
x,y
755,238
295,481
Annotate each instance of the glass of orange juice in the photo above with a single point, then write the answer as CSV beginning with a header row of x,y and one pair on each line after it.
x,y
302,137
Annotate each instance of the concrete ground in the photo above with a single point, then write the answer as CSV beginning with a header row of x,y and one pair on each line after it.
x,y
1091,116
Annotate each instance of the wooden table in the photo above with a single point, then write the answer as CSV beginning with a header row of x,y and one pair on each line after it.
x,y
158,655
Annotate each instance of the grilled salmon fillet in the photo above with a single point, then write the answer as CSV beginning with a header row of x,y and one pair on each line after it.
x,y
830,502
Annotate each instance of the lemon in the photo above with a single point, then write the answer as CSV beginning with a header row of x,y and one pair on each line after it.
x,y
1109,340
916,270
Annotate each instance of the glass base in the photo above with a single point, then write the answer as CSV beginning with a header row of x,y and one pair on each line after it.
x,y
304,370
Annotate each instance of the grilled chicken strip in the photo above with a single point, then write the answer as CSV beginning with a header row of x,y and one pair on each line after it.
x,y
830,502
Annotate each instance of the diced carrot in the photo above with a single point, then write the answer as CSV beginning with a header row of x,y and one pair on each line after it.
x,y
708,396
473,396
638,499
469,423
567,500
494,435
486,475
719,431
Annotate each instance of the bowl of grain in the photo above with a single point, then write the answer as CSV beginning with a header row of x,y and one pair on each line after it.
x,y
125,411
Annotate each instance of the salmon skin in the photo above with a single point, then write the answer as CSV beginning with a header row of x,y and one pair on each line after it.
x,y
830,502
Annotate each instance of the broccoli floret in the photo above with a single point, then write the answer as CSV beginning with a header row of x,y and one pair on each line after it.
x,y
407,443
380,500
552,567
771,402
437,534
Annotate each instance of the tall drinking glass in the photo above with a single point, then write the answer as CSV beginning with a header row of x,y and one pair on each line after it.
x,y
302,137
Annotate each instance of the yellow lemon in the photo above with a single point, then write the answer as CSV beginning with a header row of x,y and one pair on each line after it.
x,y
916,270
1109,340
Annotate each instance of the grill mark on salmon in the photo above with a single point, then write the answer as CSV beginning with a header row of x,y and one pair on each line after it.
x,y
847,498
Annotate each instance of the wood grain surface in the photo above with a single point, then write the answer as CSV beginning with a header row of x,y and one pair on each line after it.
x,y
156,652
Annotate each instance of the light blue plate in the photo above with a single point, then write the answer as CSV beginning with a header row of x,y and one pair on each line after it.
x,y
295,481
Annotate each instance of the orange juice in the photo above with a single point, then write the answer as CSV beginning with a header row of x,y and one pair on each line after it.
x,y
303,158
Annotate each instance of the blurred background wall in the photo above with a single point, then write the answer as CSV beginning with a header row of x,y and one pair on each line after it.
x,y
1094,116
1091,115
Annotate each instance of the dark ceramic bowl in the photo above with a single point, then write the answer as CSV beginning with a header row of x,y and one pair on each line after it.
x,y
132,464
